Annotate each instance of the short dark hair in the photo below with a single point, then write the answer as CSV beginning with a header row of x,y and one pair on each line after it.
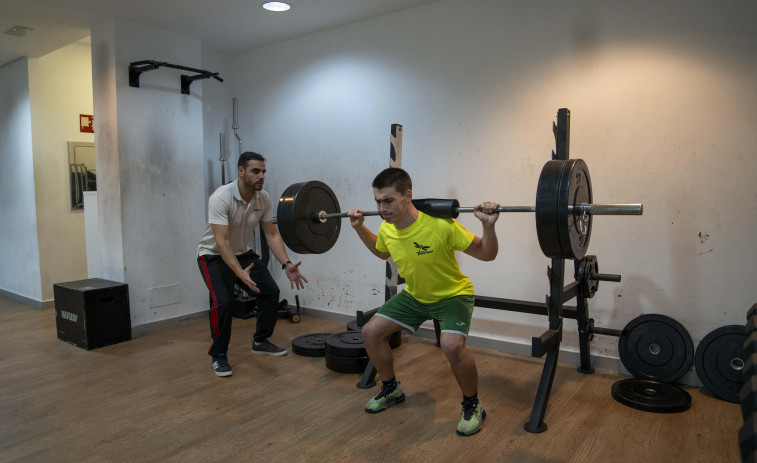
x,y
248,156
393,176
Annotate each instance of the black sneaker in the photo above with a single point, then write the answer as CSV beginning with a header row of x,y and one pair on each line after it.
x,y
268,348
221,365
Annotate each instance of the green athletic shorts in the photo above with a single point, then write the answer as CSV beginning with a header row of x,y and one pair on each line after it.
x,y
454,314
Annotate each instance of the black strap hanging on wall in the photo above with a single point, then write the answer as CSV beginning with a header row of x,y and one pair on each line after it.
x,y
138,67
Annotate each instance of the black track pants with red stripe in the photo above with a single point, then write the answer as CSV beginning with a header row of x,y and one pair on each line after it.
x,y
220,280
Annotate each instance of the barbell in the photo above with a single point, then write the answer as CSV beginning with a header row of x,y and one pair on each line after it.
x,y
563,211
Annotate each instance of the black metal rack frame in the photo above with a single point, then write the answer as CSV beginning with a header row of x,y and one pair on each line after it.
x,y
549,342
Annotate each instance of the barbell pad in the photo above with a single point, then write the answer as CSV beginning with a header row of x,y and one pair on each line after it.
x,y
442,208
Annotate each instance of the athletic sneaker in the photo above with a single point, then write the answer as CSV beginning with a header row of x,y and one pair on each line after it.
x,y
470,422
221,365
268,348
384,400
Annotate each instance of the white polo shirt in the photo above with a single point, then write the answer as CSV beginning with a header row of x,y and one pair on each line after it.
x,y
226,207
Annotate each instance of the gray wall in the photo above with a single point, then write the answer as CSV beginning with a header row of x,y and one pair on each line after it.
x,y
20,272
663,106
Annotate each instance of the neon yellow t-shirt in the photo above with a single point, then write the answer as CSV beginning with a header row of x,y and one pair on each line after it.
x,y
425,256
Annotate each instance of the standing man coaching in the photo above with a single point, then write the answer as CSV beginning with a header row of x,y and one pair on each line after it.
x,y
234,210
423,247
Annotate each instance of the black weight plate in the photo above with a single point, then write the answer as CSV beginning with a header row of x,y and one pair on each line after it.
x,y
547,194
583,271
575,189
651,396
310,345
719,361
656,347
346,364
346,344
296,217
352,326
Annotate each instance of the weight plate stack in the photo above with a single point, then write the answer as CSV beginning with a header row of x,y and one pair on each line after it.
x,y
651,396
296,217
345,352
346,344
350,365
656,347
563,233
352,326
719,361
575,189
310,345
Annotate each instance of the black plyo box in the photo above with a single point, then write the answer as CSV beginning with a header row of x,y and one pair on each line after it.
x,y
92,313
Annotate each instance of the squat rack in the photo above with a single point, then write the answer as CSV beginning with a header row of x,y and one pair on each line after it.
x,y
549,342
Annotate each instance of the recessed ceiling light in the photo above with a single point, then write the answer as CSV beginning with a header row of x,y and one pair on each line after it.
x,y
18,31
275,6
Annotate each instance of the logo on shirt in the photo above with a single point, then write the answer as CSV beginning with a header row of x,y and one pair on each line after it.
x,y
422,249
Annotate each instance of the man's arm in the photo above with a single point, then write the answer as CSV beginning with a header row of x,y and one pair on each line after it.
x,y
486,247
366,236
221,233
276,246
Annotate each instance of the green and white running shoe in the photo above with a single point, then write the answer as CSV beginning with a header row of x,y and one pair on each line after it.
x,y
470,422
384,400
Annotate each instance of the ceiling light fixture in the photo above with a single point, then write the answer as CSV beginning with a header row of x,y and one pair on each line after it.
x,y
18,31
276,6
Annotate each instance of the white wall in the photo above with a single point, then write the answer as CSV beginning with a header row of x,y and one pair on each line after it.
x,y
663,106
60,88
152,149
20,273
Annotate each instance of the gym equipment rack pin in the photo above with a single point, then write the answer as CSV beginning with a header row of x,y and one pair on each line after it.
x,y
138,67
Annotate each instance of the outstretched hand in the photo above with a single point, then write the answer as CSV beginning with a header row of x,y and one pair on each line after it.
x,y
486,212
245,277
295,277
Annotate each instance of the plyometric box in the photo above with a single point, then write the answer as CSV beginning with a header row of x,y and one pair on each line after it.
x,y
92,313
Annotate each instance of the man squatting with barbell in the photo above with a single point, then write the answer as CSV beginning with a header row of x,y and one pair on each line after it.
x,y
423,247
234,211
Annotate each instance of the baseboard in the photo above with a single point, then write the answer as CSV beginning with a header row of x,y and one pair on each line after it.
x,y
152,327
33,303
326,315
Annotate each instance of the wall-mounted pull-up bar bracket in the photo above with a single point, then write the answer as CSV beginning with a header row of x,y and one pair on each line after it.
x,y
138,67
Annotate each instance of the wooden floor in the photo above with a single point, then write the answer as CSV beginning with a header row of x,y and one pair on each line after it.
x,y
156,399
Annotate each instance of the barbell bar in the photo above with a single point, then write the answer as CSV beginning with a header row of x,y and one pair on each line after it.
x,y
563,212
445,211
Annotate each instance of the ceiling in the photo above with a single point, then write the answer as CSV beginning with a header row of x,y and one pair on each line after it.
x,y
226,26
